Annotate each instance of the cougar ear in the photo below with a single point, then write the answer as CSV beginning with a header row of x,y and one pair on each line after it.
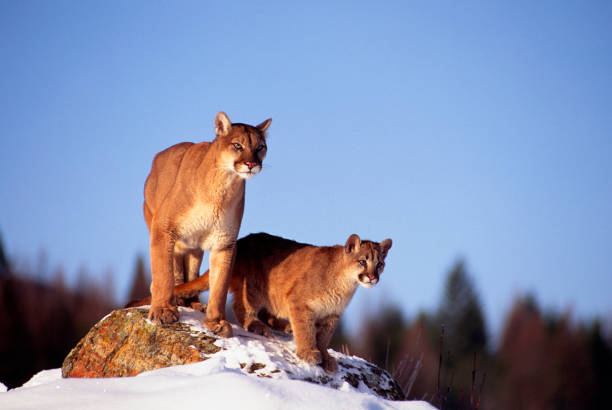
x,y
263,127
352,243
385,246
223,125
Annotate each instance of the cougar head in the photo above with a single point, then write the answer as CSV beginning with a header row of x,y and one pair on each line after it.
x,y
243,147
366,258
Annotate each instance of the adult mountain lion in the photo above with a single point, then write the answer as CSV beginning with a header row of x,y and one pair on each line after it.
x,y
309,285
194,201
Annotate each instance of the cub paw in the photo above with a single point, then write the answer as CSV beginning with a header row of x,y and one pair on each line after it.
x,y
219,327
310,356
201,307
280,325
181,301
258,328
163,314
329,365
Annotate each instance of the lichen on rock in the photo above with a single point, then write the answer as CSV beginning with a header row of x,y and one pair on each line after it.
x,y
124,343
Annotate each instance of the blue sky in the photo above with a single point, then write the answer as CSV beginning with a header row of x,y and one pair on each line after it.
x,y
476,130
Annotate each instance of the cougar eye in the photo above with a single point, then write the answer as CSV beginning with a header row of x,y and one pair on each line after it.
x,y
237,146
259,148
362,262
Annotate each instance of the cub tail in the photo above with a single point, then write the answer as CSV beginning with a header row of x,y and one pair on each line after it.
x,y
184,291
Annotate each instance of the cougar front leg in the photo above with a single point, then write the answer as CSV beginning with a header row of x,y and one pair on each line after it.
x,y
325,331
304,334
221,261
163,308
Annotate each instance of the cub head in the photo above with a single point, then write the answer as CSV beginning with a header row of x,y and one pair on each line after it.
x,y
243,147
366,259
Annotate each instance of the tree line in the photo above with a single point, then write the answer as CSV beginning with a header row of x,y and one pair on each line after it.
x,y
543,360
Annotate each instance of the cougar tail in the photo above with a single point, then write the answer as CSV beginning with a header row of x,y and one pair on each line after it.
x,y
186,290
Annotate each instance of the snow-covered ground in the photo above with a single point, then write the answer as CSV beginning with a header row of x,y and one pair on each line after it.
x,y
226,379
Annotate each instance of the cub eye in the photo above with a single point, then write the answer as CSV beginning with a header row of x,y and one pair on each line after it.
x,y
379,265
259,148
362,262
237,146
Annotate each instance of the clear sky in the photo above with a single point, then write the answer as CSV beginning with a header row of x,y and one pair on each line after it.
x,y
477,130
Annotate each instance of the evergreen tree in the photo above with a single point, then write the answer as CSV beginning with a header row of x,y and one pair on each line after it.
x,y
4,264
140,283
601,359
464,341
461,314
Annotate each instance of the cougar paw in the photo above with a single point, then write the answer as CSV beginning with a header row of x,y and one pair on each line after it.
x,y
163,314
258,328
329,365
310,356
219,327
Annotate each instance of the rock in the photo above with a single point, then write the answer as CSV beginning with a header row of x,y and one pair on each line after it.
x,y
125,343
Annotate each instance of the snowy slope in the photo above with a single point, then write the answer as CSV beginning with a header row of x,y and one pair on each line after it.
x,y
222,380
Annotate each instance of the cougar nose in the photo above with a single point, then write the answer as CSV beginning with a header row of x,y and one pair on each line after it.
x,y
250,164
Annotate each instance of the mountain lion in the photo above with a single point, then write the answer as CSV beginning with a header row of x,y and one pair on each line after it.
x,y
194,201
309,285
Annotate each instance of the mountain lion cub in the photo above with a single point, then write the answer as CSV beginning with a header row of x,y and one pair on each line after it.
x,y
309,285
194,201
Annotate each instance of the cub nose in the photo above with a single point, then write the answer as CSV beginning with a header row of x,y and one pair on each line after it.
x,y
372,277
250,164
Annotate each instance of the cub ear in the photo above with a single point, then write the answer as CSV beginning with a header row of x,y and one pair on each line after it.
x,y
263,127
223,125
352,243
385,246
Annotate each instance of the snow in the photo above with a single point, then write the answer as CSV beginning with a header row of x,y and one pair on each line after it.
x,y
186,385
225,379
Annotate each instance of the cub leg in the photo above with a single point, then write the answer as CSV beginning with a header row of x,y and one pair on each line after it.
x,y
238,305
221,261
163,307
245,312
304,334
325,331
238,308
251,308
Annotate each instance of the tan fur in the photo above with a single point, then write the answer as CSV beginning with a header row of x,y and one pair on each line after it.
x,y
194,201
308,285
